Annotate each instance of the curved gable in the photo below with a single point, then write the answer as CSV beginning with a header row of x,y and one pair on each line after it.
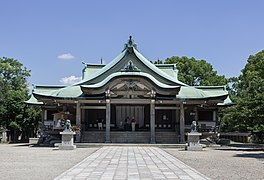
x,y
144,81
130,55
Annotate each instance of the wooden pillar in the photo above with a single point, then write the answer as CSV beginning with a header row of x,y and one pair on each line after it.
x,y
78,121
182,124
196,114
83,120
177,120
45,114
214,115
152,122
107,123
44,117
78,114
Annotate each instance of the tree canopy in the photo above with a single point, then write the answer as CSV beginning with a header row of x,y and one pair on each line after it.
x,y
248,114
14,115
190,69
247,91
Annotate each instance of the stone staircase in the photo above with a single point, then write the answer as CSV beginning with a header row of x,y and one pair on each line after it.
x,y
129,137
167,138
93,136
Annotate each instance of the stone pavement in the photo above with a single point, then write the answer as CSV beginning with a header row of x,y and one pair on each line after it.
x,y
131,163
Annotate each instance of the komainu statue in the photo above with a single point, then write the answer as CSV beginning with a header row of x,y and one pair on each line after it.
x,y
68,127
194,126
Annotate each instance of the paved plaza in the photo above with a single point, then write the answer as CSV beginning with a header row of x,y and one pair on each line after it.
x,y
23,162
131,163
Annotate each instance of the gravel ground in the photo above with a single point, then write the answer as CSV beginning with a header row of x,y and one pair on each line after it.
x,y
225,163
21,162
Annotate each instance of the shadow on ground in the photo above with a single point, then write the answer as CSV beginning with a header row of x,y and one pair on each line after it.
x,y
29,145
242,147
247,145
251,155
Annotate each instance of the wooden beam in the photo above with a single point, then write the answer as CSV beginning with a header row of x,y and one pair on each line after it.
x,y
165,107
93,107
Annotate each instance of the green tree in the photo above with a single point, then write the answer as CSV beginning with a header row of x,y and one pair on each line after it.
x,y
30,121
13,93
248,114
190,69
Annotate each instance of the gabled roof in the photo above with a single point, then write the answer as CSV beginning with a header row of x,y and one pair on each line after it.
x,y
131,74
192,92
227,102
90,69
33,101
97,73
169,69
130,63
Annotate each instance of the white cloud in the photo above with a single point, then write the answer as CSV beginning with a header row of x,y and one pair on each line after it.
x,y
66,56
70,80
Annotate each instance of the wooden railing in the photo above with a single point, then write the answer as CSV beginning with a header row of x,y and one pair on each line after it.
x,y
236,136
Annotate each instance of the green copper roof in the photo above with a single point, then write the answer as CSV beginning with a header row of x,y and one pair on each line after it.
x,y
227,102
156,69
90,69
189,92
33,101
213,90
130,62
106,68
97,73
169,69
68,92
46,90
132,74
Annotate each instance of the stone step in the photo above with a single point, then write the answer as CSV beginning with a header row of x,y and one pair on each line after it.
x,y
88,145
129,137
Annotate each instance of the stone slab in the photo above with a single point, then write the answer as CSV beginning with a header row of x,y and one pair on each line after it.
x,y
131,163
61,147
33,140
195,148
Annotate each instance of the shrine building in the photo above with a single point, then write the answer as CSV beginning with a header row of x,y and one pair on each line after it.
x,y
129,100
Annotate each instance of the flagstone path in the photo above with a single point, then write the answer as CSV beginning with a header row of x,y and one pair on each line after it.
x,y
131,163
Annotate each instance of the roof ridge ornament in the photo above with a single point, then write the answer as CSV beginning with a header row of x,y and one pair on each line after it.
x,y
130,67
130,43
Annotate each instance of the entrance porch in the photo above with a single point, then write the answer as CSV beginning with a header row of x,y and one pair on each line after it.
x,y
121,116
154,123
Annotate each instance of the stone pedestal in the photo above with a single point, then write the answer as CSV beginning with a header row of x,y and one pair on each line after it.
x,y
78,136
194,141
33,140
67,140
4,136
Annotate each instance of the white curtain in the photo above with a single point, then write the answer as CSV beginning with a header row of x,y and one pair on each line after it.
x,y
130,111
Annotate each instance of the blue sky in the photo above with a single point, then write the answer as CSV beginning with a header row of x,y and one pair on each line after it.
x,y
53,37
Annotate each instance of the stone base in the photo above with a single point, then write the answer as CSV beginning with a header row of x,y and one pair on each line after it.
x,y
67,141
67,147
195,148
194,141
4,137
194,136
33,140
